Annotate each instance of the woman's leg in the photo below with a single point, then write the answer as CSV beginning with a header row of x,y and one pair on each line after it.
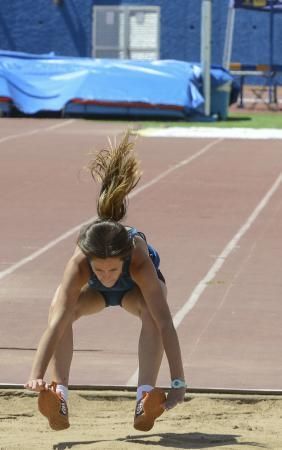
x,y
89,302
150,348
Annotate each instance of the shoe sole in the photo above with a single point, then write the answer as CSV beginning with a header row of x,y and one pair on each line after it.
x,y
152,410
49,405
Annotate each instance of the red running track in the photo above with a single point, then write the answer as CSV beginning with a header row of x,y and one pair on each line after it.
x,y
212,207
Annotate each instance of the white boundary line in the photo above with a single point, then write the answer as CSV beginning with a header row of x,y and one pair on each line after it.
x,y
212,133
75,229
201,286
37,130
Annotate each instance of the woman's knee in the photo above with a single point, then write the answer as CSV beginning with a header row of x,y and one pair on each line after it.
x,y
89,302
133,301
54,304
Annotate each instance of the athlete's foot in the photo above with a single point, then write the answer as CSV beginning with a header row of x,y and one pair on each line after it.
x,y
53,406
148,409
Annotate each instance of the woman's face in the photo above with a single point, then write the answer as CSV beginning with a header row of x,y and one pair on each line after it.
x,y
107,270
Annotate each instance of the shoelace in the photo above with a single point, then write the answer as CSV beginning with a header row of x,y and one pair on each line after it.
x,y
139,408
64,408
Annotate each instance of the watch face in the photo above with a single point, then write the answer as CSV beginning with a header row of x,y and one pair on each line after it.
x,y
176,384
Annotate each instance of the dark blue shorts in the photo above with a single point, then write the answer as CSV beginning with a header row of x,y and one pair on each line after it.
x,y
114,298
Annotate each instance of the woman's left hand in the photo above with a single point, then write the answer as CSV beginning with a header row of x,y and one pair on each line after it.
x,y
174,397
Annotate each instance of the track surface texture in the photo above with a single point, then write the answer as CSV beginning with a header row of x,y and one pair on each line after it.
x,y
212,208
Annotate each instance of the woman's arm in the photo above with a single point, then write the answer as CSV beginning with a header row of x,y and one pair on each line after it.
x,y
144,274
61,317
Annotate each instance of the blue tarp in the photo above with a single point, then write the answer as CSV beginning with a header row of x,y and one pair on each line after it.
x,y
48,83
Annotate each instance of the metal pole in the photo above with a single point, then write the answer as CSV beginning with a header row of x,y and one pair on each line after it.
x,y
124,389
227,51
126,34
206,52
271,42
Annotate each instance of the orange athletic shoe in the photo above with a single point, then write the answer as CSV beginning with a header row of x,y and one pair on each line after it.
x,y
52,405
148,409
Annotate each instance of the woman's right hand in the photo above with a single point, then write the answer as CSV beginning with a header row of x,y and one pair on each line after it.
x,y
36,385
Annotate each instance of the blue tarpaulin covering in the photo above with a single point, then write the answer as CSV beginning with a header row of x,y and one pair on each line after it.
x,y
48,83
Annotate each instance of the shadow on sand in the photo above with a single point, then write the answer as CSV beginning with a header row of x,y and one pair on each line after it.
x,y
171,440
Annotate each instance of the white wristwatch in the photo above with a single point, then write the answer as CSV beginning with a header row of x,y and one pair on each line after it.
x,y
178,384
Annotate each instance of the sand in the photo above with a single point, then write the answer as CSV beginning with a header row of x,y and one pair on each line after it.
x,y
103,420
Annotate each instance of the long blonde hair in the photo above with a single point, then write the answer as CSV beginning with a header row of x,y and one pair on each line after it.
x,y
118,171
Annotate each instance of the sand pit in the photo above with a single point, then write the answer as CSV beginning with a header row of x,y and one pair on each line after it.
x,y
102,420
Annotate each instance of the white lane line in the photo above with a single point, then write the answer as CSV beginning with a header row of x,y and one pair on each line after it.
x,y
182,163
42,250
59,125
201,286
75,229
37,130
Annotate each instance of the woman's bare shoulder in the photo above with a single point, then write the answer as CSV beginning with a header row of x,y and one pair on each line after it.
x,y
139,257
140,249
77,267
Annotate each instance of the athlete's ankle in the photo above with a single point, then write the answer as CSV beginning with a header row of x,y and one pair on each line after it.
x,y
63,390
143,388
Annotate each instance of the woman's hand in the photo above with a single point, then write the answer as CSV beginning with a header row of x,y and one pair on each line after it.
x,y
36,385
174,397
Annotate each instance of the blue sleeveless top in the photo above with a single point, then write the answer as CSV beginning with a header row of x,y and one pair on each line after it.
x,y
124,282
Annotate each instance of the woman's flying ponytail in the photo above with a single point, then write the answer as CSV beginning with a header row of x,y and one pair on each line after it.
x,y
118,171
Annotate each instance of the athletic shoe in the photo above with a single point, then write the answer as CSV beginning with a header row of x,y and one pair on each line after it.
x,y
148,409
53,406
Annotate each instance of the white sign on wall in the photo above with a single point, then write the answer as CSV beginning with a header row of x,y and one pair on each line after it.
x,y
128,32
